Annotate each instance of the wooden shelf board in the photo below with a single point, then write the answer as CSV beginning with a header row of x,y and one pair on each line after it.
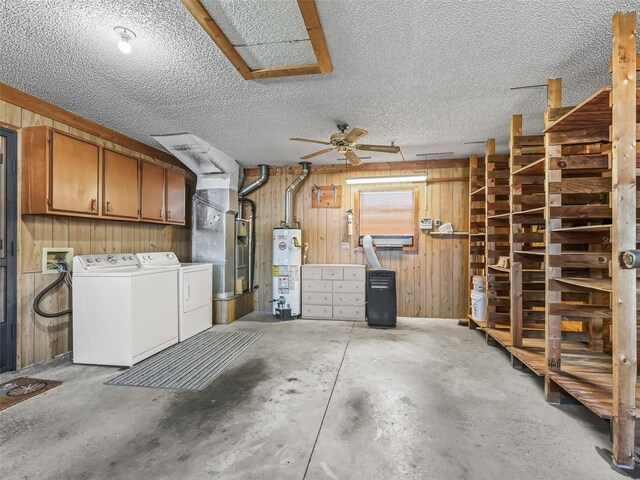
x,y
477,234
593,113
448,234
530,252
502,216
535,168
585,228
531,211
601,284
499,269
593,387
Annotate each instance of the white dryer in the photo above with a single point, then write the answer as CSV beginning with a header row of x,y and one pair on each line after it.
x,y
122,313
195,290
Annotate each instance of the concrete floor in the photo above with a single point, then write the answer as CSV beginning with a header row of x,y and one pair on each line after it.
x,y
312,400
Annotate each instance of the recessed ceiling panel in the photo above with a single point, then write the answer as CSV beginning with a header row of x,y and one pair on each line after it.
x,y
278,54
266,33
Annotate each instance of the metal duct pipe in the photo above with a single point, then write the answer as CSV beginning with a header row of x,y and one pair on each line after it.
x,y
288,196
252,239
264,174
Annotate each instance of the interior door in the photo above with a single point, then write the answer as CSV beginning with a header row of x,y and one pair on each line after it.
x,y
74,174
175,197
8,158
152,192
121,196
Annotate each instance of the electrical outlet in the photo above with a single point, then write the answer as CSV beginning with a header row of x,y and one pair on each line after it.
x,y
345,246
51,256
437,223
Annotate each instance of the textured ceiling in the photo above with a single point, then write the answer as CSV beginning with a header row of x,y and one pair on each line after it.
x,y
429,75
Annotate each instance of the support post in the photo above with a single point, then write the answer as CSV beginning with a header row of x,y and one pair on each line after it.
x,y
623,233
552,323
515,286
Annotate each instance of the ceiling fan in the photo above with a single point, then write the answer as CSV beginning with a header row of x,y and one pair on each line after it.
x,y
345,143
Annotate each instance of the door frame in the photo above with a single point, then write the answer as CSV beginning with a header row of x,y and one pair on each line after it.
x,y
11,169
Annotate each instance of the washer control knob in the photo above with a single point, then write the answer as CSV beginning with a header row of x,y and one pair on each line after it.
x,y
150,257
89,260
170,256
98,259
130,257
124,257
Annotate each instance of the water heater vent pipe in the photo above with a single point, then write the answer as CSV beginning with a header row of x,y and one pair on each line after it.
x,y
288,195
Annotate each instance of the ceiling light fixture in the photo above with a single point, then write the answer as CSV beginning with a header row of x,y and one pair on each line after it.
x,y
126,36
389,179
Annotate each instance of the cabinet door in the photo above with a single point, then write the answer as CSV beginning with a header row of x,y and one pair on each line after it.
x,y
152,192
75,166
120,194
175,197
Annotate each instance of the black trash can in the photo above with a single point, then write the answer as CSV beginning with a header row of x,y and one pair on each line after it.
x,y
381,298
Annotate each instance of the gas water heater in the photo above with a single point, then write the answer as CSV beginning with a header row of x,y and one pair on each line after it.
x,y
287,261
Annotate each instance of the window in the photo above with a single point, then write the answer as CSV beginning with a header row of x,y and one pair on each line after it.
x,y
389,216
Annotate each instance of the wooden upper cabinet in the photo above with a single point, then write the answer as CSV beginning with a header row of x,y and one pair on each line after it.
x,y
152,193
66,175
121,196
176,189
60,173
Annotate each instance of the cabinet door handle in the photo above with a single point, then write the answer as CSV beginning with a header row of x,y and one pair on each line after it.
x,y
93,204
161,211
168,214
108,207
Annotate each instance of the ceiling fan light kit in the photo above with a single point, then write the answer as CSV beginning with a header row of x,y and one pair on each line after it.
x,y
345,143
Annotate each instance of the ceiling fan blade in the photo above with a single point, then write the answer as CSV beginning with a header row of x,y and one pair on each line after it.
x,y
315,154
378,148
352,157
310,141
354,135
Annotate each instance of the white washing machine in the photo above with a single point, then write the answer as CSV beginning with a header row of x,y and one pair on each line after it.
x,y
194,290
122,313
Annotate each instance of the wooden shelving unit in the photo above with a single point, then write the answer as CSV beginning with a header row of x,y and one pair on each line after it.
x,y
590,208
526,236
477,224
497,239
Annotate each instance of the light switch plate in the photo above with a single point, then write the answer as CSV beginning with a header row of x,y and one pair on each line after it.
x,y
345,246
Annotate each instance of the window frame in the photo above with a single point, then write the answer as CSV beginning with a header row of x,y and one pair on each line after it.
x,y
416,210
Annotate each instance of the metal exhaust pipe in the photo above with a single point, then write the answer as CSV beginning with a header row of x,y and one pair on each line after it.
x,y
264,174
288,196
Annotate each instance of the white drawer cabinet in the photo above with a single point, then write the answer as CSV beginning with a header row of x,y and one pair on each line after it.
x,y
334,291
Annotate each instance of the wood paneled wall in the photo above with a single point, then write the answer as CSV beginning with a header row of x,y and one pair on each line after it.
x,y
431,282
41,338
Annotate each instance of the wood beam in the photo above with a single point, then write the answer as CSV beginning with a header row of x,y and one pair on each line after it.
x,y
46,109
405,167
316,35
217,35
623,233
285,71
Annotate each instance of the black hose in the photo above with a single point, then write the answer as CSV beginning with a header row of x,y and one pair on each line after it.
x,y
38,299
